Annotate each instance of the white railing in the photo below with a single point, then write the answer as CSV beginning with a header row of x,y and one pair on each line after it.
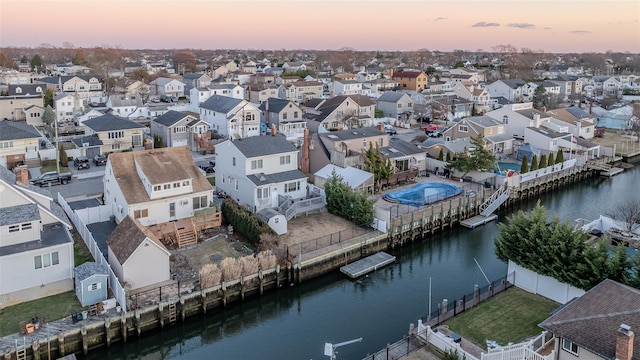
x,y
494,201
118,290
442,342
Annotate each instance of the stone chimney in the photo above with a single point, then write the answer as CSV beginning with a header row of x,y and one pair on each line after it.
x,y
624,343
304,160
22,175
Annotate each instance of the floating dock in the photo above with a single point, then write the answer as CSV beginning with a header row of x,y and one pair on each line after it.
x,y
612,172
367,265
477,220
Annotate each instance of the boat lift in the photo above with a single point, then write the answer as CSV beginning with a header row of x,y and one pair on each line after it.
x,y
330,349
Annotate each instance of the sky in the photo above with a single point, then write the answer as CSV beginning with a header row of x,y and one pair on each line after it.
x,y
445,25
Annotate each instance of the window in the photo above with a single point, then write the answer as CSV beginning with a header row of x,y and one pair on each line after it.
x,y
180,129
116,134
115,146
263,193
234,161
284,116
463,128
46,260
185,183
295,114
166,186
176,185
292,186
286,159
199,202
94,287
14,228
237,183
6,144
364,143
569,346
555,142
172,209
257,164
157,187
505,119
142,213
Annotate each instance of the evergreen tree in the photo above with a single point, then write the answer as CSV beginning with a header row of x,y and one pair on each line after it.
x,y
448,158
64,161
559,157
374,162
543,162
347,203
478,158
48,116
524,166
550,161
36,61
534,162
48,97
441,155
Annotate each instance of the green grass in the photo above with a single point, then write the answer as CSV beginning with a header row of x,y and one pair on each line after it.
x,y
51,166
51,308
81,252
512,316
212,180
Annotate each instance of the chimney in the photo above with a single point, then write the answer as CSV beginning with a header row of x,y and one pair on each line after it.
x,y
543,109
22,175
381,127
304,161
273,129
624,343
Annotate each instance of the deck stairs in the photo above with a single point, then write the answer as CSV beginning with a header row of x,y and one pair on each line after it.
x,y
494,201
186,236
172,313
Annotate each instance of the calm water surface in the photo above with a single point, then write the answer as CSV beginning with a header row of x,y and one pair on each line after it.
x,y
294,323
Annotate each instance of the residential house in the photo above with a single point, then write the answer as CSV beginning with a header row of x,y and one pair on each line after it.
x,y
434,146
517,117
344,148
180,129
36,247
128,106
249,67
348,87
88,87
92,113
607,87
137,256
293,66
256,171
475,76
472,92
231,117
551,89
396,105
451,108
579,123
166,86
13,107
115,132
89,145
155,186
410,80
262,93
13,77
342,112
91,280
570,88
496,139
195,80
404,156
357,179
19,143
546,140
68,106
515,90
200,95
33,114
600,324
378,86
299,91
25,89
285,115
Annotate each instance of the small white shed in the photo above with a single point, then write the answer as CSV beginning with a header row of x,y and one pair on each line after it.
x,y
358,180
275,220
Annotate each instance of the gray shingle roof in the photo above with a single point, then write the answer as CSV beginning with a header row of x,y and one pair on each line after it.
x,y
275,105
88,269
514,83
263,145
10,130
108,122
359,133
219,103
170,118
127,237
391,96
19,214
401,148
483,121
92,140
264,179
592,320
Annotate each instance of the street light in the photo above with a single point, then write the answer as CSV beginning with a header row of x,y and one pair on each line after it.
x,y
330,349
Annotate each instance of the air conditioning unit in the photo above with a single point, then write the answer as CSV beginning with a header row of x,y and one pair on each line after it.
x,y
184,202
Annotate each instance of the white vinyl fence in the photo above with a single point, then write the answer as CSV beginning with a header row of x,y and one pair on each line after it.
x,y
118,290
543,285
95,214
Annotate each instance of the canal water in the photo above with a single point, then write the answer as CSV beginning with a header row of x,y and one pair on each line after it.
x,y
295,322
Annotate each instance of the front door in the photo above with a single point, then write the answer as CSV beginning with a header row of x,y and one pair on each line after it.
x,y
172,210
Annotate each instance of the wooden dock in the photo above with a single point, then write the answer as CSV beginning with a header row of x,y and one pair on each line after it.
x,y
477,220
367,265
612,172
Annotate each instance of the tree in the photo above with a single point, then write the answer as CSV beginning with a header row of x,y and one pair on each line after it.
x,y
627,213
478,158
377,165
5,61
157,142
540,97
559,157
524,166
80,57
48,97
64,161
550,161
48,116
345,202
534,162
441,155
543,161
36,61
184,61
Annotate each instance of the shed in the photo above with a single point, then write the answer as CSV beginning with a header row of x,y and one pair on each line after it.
x,y
91,283
357,179
275,220
528,150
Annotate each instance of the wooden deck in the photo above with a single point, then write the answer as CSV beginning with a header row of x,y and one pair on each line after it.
x,y
183,232
477,220
368,264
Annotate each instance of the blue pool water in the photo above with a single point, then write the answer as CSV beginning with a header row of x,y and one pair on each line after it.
x,y
509,166
423,193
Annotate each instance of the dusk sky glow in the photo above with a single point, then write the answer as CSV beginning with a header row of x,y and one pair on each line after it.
x,y
551,26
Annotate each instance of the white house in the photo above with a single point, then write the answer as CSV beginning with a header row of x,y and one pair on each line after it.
x,y
546,140
36,247
128,106
166,86
68,106
579,122
155,186
517,117
231,117
199,95
255,171
514,90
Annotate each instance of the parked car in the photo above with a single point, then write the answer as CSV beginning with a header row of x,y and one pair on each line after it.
x,y
208,166
389,129
81,162
52,178
100,160
433,133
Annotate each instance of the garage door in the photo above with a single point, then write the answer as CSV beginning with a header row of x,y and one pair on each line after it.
x,y
181,142
91,152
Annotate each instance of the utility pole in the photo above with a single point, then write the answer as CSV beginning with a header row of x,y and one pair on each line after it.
x,y
57,149
330,349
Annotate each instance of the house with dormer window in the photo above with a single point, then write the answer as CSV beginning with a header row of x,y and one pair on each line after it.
x,y
341,112
36,247
87,87
166,86
199,95
514,90
19,143
496,139
257,171
285,115
299,91
179,129
517,117
231,117
116,133
396,104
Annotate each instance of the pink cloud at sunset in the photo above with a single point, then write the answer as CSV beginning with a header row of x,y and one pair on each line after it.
x,y
553,26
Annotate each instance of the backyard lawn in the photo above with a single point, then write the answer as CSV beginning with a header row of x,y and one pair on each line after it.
x,y
512,316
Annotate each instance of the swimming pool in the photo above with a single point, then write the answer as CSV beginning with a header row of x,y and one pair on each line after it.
x,y
423,193
509,166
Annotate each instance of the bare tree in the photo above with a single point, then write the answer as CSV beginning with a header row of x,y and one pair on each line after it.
x,y
628,214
